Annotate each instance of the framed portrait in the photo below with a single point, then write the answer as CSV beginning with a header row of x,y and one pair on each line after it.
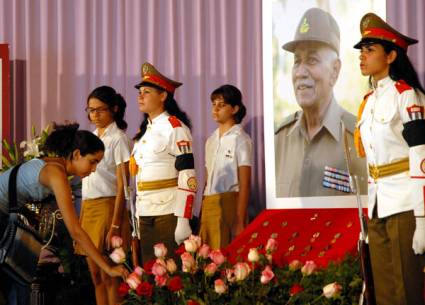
x,y
308,59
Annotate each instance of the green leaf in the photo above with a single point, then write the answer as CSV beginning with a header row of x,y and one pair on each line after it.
x,y
5,162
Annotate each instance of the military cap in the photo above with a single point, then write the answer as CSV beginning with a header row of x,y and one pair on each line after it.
x,y
373,28
316,25
150,75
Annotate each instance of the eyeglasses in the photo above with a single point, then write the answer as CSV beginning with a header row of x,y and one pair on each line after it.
x,y
219,105
98,110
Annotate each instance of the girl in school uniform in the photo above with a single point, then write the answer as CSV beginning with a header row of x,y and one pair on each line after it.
x,y
103,213
228,161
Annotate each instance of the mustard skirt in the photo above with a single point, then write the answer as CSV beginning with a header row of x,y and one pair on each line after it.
x,y
217,217
96,220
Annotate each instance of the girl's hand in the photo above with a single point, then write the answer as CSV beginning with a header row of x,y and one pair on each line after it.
x,y
112,232
237,228
119,270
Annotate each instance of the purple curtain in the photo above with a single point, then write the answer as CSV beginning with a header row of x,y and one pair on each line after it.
x,y
408,17
60,50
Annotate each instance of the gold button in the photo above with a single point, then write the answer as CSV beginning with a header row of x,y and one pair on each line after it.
x,y
382,119
143,141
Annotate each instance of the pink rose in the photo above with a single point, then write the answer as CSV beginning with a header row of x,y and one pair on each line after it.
x,y
160,250
196,239
116,241
230,275
161,281
159,269
308,268
295,265
118,255
171,265
241,271
190,246
133,280
210,269
217,257
139,271
271,245
253,255
266,275
204,251
219,286
188,262
332,290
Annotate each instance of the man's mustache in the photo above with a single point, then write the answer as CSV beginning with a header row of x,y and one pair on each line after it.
x,y
303,84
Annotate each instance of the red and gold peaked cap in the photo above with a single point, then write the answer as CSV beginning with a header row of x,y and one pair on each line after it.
x,y
150,75
372,27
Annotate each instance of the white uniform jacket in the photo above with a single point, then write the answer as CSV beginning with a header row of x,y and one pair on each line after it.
x,y
388,108
165,152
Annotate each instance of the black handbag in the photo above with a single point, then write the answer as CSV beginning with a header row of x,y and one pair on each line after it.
x,y
20,245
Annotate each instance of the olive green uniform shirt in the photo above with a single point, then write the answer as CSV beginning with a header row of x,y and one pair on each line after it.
x,y
300,162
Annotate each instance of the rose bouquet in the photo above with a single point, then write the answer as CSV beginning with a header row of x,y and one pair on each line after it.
x,y
204,276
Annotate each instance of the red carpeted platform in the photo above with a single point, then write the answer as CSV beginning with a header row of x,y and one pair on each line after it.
x,y
321,235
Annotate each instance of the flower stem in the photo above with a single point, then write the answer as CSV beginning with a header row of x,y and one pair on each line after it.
x,y
317,299
127,266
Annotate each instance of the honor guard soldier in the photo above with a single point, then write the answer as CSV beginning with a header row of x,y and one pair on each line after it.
x,y
391,134
165,178
309,145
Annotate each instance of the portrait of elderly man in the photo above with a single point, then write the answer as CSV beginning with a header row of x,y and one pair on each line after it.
x,y
309,144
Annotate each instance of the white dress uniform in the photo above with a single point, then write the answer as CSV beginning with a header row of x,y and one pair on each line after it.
x,y
162,188
388,107
223,156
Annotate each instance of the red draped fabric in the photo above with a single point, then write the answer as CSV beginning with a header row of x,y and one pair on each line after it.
x,y
321,235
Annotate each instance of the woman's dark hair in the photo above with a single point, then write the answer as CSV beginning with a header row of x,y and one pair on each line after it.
x,y
110,97
401,67
170,105
232,96
65,139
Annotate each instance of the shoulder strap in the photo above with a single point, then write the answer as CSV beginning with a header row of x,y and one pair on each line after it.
x,y
13,196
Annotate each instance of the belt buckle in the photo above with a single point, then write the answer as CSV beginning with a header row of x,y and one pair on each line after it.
x,y
374,172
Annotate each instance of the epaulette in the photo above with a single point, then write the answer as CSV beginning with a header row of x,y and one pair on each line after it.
x,y
174,121
402,86
288,120
349,121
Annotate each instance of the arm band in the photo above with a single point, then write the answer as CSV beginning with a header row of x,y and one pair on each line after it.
x,y
184,161
414,132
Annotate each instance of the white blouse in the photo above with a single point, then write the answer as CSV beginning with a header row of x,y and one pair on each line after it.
x,y
223,156
103,182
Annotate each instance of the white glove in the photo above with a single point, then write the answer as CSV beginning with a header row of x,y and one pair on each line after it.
x,y
182,231
419,236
